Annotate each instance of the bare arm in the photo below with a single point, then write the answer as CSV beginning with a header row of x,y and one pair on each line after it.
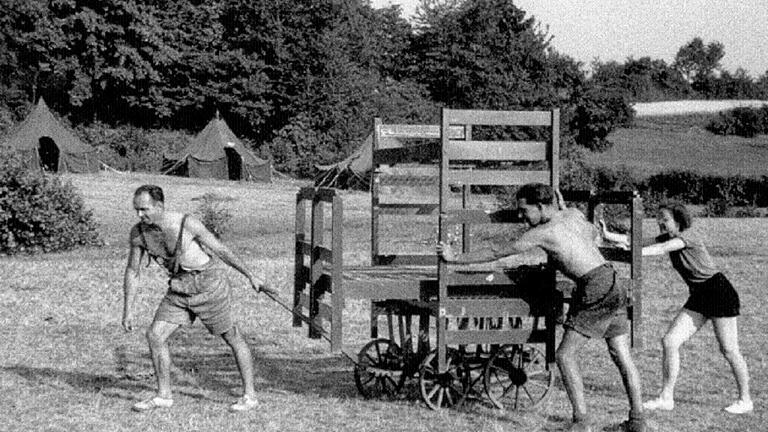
x,y
621,239
665,247
525,243
130,283
207,239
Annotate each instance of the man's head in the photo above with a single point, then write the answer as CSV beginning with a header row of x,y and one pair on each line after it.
x,y
149,203
535,201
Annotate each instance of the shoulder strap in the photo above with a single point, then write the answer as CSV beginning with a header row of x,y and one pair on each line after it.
x,y
177,250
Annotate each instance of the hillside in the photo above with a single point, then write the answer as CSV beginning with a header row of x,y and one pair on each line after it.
x,y
681,142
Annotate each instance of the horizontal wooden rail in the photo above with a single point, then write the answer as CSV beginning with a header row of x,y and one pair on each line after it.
x,y
417,260
498,118
408,180
481,216
407,208
410,154
496,150
496,178
418,131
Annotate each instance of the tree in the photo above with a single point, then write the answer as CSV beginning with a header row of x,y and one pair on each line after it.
x,y
696,61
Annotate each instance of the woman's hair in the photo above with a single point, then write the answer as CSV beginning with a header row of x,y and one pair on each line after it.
x,y
154,192
536,193
680,214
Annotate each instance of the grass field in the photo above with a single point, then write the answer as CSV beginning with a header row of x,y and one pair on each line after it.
x,y
680,142
66,364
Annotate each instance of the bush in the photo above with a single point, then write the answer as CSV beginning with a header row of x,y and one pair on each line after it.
x,y
213,214
39,213
746,122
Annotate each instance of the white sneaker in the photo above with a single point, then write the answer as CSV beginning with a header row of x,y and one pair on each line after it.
x,y
659,404
740,407
152,403
244,403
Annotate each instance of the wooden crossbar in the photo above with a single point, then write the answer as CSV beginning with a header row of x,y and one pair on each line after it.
x,y
497,150
496,177
418,131
497,118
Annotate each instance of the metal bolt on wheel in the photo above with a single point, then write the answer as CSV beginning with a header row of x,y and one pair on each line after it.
x,y
517,377
379,370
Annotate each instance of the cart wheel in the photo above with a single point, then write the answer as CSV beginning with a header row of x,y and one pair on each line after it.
x,y
441,390
517,377
379,370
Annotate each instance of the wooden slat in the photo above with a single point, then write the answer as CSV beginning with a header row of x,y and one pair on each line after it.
x,y
485,278
410,154
498,118
416,260
496,178
418,131
490,307
615,254
408,180
481,216
384,290
497,150
465,337
407,208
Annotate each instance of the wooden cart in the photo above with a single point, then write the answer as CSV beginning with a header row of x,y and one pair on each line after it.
x,y
491,327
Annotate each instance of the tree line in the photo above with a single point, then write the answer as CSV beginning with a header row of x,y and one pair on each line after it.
x,y
300,80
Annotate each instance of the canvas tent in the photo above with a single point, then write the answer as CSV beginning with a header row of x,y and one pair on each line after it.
x,y
354,171
44,142
217,153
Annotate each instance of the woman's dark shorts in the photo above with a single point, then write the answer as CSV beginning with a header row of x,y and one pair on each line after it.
x,y
598,307
714,298
203,294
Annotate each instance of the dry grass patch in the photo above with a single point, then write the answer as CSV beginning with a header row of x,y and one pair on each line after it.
x,y
66,365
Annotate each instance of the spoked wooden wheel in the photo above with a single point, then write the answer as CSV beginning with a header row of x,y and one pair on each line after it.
x,y
379,370
441,389
517,377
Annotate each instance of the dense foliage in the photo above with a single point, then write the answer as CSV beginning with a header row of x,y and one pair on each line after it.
x,y
744,121
39,212
301,80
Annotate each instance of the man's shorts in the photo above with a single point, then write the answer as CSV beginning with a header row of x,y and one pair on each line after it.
x,y
203,294
598,307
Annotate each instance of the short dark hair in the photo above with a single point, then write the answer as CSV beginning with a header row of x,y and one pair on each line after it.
x,y
680,214
155,192
536,193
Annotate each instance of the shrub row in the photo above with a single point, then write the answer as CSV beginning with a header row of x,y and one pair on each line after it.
x,y
746,122
719,194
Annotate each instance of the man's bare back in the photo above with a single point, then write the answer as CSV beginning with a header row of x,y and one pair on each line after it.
x,y
569,241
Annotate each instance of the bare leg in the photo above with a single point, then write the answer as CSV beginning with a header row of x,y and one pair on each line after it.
x,y
726,331
243,358
567,354
157,338
685,325
621,355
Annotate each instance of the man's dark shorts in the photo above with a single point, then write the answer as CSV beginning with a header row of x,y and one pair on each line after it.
x,y
203,294
598,307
